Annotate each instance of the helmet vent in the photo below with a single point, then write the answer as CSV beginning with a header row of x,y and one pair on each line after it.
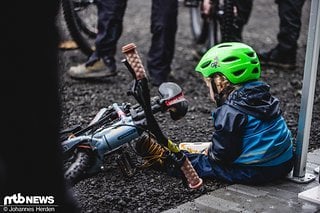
x,y
238,72
254,62
250,54
255,70
224,45
230,59
205,64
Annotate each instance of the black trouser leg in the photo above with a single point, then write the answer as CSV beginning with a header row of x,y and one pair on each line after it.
x,y
290,23
110,23
244,12
163,29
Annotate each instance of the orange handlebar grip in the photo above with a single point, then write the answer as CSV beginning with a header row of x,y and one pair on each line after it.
x,y
193,179
133,58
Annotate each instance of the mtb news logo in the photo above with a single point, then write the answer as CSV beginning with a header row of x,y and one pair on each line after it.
x,y
20,203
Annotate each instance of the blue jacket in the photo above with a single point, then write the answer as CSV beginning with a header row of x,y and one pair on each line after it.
x,y
250,130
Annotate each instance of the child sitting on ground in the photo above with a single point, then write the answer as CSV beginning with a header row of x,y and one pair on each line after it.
x,y
251,143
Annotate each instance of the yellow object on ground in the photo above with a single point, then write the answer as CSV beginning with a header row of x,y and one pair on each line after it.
x,y
196,147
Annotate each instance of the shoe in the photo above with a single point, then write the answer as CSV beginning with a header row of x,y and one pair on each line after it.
x,y
153,153
97,70
279,57
68,45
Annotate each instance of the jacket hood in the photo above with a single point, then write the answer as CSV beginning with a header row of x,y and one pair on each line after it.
x,y
255,99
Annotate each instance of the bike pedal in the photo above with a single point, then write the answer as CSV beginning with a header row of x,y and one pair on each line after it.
x,y
125,164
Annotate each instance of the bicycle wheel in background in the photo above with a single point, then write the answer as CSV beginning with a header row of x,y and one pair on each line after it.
x,y
216,28
205,30
81,20
227,20
199,24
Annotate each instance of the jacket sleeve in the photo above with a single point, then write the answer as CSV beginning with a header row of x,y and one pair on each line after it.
x,y
227,139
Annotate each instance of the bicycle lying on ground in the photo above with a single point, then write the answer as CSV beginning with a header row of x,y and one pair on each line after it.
x,y
218,26
81,18
116,126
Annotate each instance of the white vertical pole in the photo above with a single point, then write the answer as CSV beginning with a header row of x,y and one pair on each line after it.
x,y
308,90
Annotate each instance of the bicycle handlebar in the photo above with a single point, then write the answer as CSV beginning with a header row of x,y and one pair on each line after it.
x,y
141,93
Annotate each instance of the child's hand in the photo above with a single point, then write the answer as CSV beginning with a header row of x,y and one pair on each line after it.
x,y
206,7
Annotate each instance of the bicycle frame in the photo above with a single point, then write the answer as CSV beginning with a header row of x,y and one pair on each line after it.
x,y
106,140
113,128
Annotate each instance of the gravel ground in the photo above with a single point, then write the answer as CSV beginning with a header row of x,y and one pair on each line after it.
x,y
152,191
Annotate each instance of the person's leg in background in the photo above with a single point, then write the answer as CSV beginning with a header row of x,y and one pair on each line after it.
x,y
164,17
284,54
110,22
110,25
244,11
30,154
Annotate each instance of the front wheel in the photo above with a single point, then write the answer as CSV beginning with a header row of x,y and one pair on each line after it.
x,y
77,169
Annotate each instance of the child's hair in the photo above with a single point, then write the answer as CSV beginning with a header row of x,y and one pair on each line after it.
x,y
225,84
221,80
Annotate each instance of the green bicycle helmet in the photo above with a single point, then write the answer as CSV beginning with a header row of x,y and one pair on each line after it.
x,y
237,61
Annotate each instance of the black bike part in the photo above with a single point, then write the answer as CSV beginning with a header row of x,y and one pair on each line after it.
x,y
79,167
179,110
227,21
82,5
77,27
125,164
173,164
142,95
98,116
139,116
70,130
110,116
130,69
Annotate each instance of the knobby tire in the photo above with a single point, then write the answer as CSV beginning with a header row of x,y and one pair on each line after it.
x,y
216,29
73,23
77,169
227,20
